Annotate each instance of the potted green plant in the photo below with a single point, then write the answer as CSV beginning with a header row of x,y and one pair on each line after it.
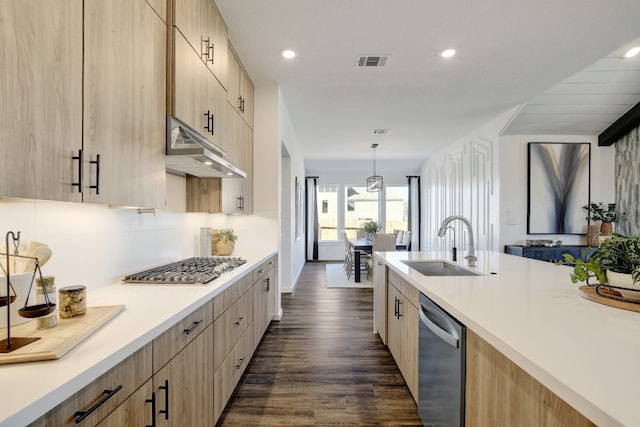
x,y
615,262
226,244
607,215
371,228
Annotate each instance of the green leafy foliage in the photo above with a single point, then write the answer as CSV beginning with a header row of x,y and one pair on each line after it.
x,y
619,253
229,234
371,227
598,212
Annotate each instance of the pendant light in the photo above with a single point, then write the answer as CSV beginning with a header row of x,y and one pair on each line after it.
x,y
374,182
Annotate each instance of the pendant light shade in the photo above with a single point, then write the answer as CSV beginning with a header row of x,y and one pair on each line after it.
x,y
374,182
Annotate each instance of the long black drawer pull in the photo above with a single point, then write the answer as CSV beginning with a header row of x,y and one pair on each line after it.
x,y
107,394
240,363
240,319
97,163
193,327
153,409
165,411
268,281
80,161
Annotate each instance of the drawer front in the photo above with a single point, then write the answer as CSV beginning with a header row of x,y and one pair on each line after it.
x,y
405,288
223,301
227,376
97,400
175,339
228,328
263,269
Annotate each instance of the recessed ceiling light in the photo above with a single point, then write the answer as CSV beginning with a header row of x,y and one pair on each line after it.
x,y
288,54
448,53
632,52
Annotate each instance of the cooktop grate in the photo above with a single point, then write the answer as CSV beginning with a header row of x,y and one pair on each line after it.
x,y
196,270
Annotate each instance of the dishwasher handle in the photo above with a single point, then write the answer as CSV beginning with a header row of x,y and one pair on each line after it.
x,y
445,336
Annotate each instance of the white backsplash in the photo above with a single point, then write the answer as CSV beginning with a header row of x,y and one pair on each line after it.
x,y
96,245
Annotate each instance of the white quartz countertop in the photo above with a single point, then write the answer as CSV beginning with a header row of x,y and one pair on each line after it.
x,y
585,352
29,390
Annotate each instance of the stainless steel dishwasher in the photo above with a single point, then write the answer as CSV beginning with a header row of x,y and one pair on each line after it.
x,y
441,365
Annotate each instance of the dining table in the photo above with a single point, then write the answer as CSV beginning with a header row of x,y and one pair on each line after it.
x,y
360,245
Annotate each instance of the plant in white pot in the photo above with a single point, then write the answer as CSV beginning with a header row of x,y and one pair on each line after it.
x,y
615,262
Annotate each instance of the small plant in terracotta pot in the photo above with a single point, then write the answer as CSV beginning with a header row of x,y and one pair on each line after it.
x,y
607,215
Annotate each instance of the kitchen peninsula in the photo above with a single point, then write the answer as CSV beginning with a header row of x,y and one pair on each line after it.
x,y
152,312
529,312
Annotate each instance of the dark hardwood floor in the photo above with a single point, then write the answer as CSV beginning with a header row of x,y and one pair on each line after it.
x,y
322,365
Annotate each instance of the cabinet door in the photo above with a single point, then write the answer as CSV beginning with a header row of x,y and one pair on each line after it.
x,y
233,81
135,411
196,94
410,337
220,45
246,92
394,331
264,304
41,92
380,298
124,103
184,387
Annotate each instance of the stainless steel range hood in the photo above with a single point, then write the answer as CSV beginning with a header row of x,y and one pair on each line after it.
x,y
188,152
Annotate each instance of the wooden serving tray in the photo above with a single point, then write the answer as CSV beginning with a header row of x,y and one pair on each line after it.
x,y
57,341
589,292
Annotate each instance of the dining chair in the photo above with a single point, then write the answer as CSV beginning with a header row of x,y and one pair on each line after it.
x,y
349,257
406,240
382,242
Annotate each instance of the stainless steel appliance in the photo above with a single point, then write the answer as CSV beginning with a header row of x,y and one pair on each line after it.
x,y
441,367
197,270
188,152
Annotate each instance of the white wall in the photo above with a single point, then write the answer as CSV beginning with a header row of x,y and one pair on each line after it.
x,y
463,180
295,246
95,245
513,184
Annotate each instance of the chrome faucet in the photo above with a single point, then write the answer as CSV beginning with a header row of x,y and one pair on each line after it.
x,y
471,257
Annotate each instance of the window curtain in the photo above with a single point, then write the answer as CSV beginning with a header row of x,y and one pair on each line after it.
x,y
414,212
311,218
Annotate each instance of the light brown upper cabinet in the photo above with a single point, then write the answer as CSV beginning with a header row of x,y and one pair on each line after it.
x,y
124,103
240,90
202,25
109,150
198,99
41,92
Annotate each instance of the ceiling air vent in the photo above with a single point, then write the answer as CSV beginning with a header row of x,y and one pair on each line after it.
x,y
381,131
372,60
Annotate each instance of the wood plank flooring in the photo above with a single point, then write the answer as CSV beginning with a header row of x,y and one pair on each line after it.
x,y
322,365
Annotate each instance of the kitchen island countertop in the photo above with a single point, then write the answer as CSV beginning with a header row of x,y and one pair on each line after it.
x,y
584,352
32,389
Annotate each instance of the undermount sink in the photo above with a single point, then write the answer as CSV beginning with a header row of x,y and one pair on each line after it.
x,y
440,268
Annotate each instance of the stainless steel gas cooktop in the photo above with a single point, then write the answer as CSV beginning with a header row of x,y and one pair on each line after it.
x,y
197,270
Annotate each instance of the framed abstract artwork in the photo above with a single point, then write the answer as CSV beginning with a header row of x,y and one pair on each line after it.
x,y
558,187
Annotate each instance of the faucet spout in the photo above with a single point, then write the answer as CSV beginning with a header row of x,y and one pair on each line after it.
x,y
471,257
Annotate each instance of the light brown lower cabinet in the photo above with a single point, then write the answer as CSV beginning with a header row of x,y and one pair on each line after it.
x,y
184,387
94,402
264,300
500,393
402,336
137,410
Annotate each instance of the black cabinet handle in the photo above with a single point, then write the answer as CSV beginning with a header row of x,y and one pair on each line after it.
x,y
268,281
240,361
193,327
395,307
239,203
207,127
80,161
241,104
240,319
165,411
153,409
97,163
242,203
399,302
211,56
107,394
212,124
204,47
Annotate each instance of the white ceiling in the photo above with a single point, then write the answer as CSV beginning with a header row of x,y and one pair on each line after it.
x,y
509,52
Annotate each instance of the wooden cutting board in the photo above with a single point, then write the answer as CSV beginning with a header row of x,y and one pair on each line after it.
x,y
589,292
59,340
